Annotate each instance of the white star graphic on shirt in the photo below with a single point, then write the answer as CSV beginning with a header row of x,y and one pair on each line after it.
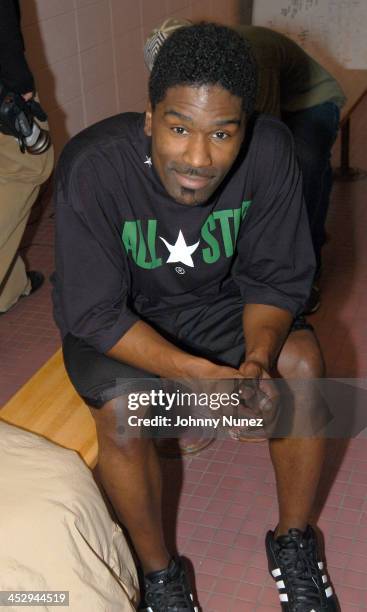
x,y
180,251
148,161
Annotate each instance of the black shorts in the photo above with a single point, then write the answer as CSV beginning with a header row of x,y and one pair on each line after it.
x,y
213,332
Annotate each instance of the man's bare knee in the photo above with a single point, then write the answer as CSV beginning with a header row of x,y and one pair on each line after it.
x,y
113,428
301,357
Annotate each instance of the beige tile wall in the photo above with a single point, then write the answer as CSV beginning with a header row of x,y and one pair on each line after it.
x,y
87,58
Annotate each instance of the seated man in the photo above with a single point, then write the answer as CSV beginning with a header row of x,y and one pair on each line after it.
x,y
183,251
293,86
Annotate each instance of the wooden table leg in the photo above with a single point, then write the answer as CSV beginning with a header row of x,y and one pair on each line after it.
x,y
345,172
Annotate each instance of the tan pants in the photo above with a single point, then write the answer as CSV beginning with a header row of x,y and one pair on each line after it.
x,y
21,176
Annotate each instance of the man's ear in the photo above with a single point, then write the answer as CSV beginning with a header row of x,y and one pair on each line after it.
x,y
148,120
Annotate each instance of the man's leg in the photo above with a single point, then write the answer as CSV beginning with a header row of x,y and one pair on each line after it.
x,y
13,277
298,461
15,283
128,468
130,474
294,559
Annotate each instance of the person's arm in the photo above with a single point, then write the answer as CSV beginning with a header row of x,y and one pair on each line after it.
x,y
265,329
275,255
142,347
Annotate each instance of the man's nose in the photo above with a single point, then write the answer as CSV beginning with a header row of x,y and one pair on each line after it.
x,y
197,153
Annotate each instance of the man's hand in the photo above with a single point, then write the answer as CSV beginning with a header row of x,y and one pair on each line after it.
x,y
262,392
260,398
251,368
209,378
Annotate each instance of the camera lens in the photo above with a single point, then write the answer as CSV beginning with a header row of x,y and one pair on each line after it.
x,y
39,141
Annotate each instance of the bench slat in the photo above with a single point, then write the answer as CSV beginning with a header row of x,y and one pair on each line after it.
x,y
48,405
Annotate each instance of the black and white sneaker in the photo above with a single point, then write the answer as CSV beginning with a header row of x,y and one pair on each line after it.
x,y
168,590
299,574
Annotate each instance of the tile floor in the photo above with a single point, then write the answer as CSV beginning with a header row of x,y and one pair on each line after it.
x,y
227,501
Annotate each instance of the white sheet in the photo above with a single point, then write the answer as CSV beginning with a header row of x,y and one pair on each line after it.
x,y
55,530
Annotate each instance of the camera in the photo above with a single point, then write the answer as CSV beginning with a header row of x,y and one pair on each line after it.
x,y
17,118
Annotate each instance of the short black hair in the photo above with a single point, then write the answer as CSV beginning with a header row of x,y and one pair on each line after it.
x,y
205,54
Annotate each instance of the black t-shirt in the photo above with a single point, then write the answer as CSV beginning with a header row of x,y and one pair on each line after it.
x,y
125,250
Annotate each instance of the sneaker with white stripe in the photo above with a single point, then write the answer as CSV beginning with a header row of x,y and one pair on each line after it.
x,y
168,590
300,577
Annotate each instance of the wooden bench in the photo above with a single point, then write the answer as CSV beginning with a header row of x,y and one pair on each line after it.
x,y
48,405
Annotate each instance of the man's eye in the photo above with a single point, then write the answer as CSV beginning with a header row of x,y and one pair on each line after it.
x,y
221,135
179,130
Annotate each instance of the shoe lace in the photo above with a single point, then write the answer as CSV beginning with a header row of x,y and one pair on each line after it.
x,y
168,596
300,566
